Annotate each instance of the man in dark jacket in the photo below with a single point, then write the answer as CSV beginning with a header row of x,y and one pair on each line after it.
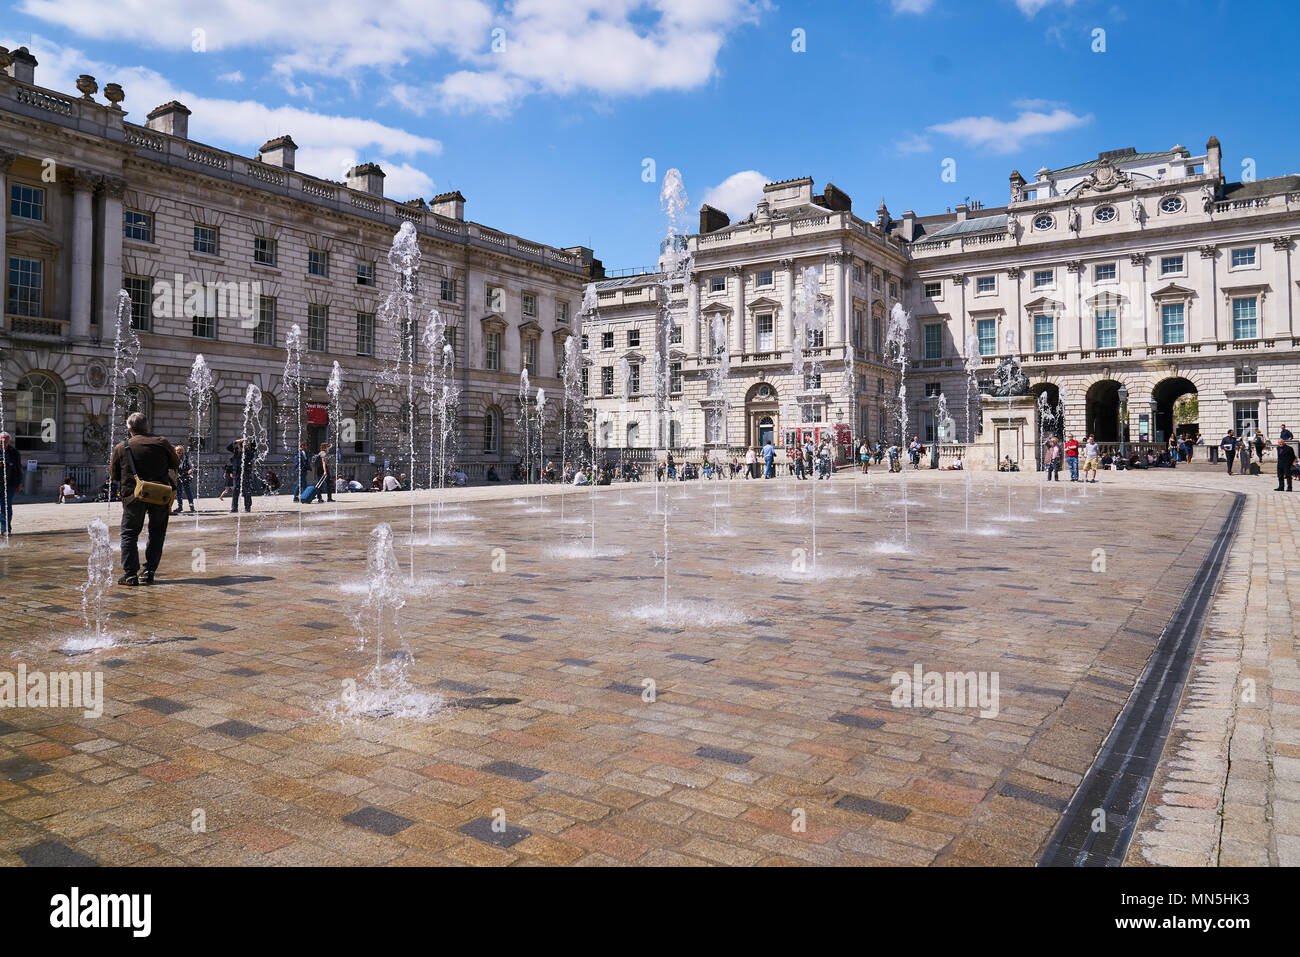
x,y
303,463
11,481
1229,445
243,456
150,458
1285,462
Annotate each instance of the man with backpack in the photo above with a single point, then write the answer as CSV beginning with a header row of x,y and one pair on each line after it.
x,y
140,466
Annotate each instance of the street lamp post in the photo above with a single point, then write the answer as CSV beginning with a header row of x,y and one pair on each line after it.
x,y
1123,418
1153,431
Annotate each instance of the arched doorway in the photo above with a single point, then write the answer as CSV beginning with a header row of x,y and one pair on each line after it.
x,y
1164,400
1102,411
761,414
1051,415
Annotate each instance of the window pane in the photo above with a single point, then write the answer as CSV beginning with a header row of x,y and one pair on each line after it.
x,y
1171,323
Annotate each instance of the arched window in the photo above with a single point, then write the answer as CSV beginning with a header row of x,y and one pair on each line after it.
x,y
203,423
492,430
633,434
364,429
266,423
138,399
37,421
606,435
674,434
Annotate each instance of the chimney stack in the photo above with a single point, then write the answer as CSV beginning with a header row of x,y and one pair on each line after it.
x,y
368,178
909,225
882,217
451,205
171,118
278,152
22,65
1017,186
711,219
962,209
1213,157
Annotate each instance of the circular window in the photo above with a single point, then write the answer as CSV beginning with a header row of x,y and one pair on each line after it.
x,y
1104,214
764,392
1171,204
1045,221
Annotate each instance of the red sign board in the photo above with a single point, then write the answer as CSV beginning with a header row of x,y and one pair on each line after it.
x,y
317,414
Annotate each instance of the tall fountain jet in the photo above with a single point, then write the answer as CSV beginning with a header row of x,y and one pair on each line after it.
x,y
523,421
570,399
296,385
334,389
126,350
896,337
972,364
441,392
200,393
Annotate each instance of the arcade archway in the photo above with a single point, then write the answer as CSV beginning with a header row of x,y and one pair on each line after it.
x,y
1165,397
1102,410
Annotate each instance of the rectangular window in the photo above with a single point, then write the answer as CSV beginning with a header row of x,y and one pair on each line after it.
x,y
365,272
1107,329
1044,333
931,425
607,340
492,346
586,378
880,386
985,284
857,273
932,389
766,332
530,305
318,263
858,329
717,284
27,202
204,327
675,336
447,290
1243,257
585,343
264,251
875,281
450,337
764,277
606,380
633,338
318,328
530,355
365,333
1246,375
264,331
1103,272
816,338
812,381
1043,278
207,240
1244,319
562,312
675,378
1245,416
634,379
1171,324
893,290
137,225
987,330
1171,265
494,298
933,341
933,290
140,289
875,334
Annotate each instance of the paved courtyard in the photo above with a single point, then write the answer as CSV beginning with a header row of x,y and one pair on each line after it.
x,y
581,720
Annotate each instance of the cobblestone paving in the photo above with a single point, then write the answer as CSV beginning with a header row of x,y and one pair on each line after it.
x,y
772,685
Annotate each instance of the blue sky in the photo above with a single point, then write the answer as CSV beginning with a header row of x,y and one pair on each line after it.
x,y
543,112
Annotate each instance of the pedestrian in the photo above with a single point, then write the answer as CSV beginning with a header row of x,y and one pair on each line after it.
x,y
184,480
243,455
1229,446
1286,458
1285,435
798,463
11,481
67,491
321,469
672,467
751,463
1072,457
227,482
1052,459
769,460
1243,450
1091,459
864,456
914,451
139,465
303,468
1260,445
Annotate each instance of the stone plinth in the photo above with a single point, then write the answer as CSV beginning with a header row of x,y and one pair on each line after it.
x,y
1010,427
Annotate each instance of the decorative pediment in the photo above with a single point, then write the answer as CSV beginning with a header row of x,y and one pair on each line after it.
x,y
1173,291
530,329
715,309
493,322
1105,178
561,335
1045,304
1260,289
676,355
634,356
764,304
991,312
1106,298
33,237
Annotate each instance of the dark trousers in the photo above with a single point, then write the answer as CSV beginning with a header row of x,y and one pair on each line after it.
x,y
1054,471
1283,475
6,507
184,492
1229,456
133,517
248,495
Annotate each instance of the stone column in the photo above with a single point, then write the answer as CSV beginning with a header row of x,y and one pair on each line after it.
x,y
1074,301
110,253
83,235
1205,310
6,160
691,340
1139,305
835,320
787,323
1282,321
737,312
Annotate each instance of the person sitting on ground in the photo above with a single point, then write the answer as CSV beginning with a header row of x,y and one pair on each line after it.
x,y
548,474
580,478
459,475
391,484
957,465
377,482
67,491
492,474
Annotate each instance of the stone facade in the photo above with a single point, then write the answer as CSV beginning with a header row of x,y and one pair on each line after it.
x,y
94,204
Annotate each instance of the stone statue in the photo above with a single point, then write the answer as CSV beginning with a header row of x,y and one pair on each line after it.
x,y
1073,220
1013,225
1207,198
1009,379
1137,210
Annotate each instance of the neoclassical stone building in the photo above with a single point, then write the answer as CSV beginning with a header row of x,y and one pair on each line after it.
x,y
95,204
1136,276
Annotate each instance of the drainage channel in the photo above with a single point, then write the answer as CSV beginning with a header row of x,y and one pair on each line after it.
x,y
1118,781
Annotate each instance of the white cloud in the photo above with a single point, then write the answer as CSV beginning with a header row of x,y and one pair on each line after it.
x,y
600,47
1007,136
1031,7
324,140
911,6
235,76
738,194
913,143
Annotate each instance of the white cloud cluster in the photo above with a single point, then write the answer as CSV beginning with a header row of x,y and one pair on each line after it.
x,y
1007,136
738,194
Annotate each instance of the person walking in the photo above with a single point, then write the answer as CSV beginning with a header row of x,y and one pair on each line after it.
x,y
184,480
1229,446
798,462
914,452
1260,446
303,467
1091,460
751,464
1243,450
1286,458
139,465
243,455
1285,435
11,481
1072,457
324,477
864,456
1052,459
769,460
